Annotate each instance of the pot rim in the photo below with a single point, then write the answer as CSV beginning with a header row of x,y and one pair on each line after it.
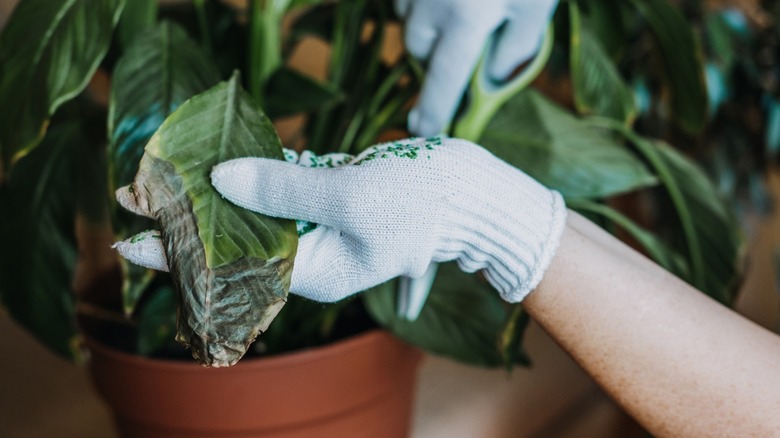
x,y
287,359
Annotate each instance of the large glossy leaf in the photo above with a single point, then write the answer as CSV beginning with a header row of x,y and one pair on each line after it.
x,y
714,236
561,151
290,92
463,318
159,71
711,239
721,41
317,21
608,24
38,253
231,267
302,3
598,86
135,280
652,244
510,341
157,321
48,52
137,17
682,62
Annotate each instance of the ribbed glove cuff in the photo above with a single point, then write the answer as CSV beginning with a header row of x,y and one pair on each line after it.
x,y
504,222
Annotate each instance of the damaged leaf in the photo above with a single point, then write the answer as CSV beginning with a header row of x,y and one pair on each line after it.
x,y
231,267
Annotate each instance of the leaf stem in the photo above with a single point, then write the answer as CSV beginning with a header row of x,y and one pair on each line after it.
x,y
487,96
373,106
203,25
265,47
671,261
649,151
511,335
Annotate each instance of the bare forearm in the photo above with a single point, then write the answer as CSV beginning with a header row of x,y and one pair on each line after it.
x,y
680,363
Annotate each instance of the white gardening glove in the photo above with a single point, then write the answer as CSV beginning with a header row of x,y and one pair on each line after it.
x,y
146,249
451,35
399,206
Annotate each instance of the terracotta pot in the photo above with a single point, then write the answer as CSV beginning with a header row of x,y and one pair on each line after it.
x,y
362,386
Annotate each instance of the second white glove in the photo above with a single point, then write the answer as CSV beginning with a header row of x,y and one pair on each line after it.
x,y
451,36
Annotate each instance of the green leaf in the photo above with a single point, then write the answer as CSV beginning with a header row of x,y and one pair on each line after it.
x,y
290,92
265,43
223,34
159,71
598,86
355,67
561,151
463,317
511,338
135,280
303,3
38,254
721,41
93,198
652,244
231,267
712,240
157,321
138,16
48,52
714,234
682,62
607,23
317,22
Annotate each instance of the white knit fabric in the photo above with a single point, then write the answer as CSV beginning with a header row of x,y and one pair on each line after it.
x,y
450,35
398,207
146,248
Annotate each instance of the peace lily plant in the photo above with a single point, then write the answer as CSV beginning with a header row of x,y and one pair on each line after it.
x,y
173,74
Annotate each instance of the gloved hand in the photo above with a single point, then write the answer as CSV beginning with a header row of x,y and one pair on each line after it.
x,y
399,206
451,35
146,248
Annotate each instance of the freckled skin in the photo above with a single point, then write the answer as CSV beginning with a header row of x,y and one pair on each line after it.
x,y
679,362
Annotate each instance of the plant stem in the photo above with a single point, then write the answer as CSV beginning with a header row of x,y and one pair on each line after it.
x,y
373,106
203,24
347,28
383,118
265,43
487,97
509,337
648,150
654,248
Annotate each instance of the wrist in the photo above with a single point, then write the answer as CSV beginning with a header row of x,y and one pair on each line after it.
x,y
504,222
519,249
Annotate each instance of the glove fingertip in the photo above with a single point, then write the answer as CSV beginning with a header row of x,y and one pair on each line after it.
x,y
423,125
236,180
126,197
279,189
144,249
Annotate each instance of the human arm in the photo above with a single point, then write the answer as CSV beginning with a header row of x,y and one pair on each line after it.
x,y
676,360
